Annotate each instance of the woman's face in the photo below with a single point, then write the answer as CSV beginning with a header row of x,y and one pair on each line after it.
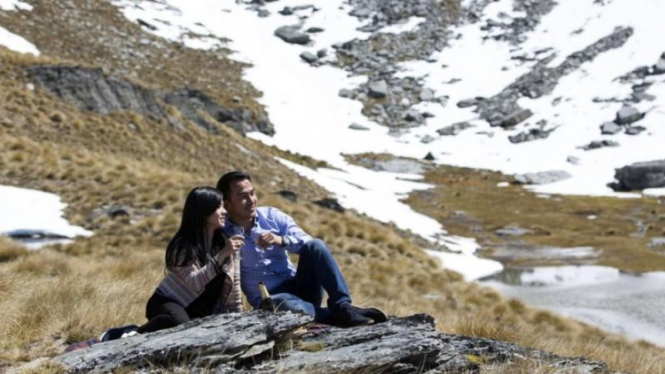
x,y
217,219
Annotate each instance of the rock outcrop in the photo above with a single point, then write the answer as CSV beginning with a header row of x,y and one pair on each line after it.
x,y
260,342
92,90
640,175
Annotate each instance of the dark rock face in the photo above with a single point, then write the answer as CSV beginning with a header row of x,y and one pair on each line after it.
x,y
641,175
190,102
260,342
91,90
330,203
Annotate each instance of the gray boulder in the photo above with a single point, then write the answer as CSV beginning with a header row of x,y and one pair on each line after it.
x,y
596,144
530,135
515,118
426,94
543,177
427,139
355,126
635,130
627,115
290,34
610,128
378,89
641,175
308,57
454,129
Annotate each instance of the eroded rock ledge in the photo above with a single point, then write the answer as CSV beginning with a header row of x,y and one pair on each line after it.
x,y
260,342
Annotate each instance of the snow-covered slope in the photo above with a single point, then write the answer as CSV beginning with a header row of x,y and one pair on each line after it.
x,y
310,118
12,41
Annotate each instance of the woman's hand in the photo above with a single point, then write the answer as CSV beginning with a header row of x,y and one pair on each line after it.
x,y
232,246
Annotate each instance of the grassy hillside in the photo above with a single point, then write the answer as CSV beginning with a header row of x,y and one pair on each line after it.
x,y
64,294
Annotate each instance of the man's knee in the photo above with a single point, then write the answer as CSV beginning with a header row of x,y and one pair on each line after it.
x,y
315,247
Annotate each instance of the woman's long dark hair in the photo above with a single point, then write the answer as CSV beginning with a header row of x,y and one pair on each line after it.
x,y
189,243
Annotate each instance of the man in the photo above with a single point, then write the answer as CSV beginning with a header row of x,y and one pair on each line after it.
x,y
270,235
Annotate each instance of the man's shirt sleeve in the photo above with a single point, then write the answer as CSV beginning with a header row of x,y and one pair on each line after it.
x,y
294,237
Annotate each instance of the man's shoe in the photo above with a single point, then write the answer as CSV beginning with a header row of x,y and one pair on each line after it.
x,y
375,314
346,315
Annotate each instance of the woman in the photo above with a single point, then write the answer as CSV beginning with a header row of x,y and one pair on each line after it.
x,y
202,268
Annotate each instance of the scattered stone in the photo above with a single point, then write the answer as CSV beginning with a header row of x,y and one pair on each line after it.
x,y
345,93
287,11
610,128
454,129
290,34
599,144
146,25
112,211
640,176
426,94
543,177
314,30
429,157
467,103
512,231
288,195
573,160
308,57
355,126
263,13
635,130
659,68
330,203
627,115
321,53
412,115
515,118
427,139
530,135
32,234
378,89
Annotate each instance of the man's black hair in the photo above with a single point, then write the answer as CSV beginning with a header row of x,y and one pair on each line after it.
x,y
224,183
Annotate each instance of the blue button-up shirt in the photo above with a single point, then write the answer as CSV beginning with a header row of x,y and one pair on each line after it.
x,y
270,265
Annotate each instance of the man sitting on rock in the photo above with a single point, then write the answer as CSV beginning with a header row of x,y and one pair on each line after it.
x,y
270,235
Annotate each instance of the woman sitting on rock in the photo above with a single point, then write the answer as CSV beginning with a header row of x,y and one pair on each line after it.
x,y
202,267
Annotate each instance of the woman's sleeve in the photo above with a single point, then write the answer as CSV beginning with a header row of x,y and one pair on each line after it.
x,y
197,277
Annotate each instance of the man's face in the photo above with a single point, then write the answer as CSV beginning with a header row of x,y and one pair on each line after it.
x,y
241,204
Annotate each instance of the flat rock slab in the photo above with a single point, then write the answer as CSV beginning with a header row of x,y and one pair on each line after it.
x,y
260,342
223,337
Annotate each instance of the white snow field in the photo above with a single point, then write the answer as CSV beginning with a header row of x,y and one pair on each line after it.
x,y
32,210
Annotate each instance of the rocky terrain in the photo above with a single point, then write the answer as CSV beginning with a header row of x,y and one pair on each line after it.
x,y
261,342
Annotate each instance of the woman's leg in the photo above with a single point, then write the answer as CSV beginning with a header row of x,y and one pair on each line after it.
x,y
204,305
163,313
